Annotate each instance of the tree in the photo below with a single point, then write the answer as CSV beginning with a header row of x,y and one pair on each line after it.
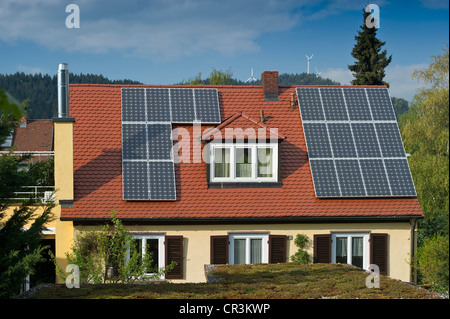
x,y
370,59
425,132
219,77
20,248
9,105
400,106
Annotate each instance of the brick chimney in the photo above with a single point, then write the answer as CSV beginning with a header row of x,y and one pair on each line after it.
x,y
269,81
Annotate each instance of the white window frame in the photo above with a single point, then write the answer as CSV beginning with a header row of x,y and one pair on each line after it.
x,y
349,236
161,250
254,151
248,237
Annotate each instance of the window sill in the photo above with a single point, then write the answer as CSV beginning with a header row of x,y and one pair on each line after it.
x,y
244,185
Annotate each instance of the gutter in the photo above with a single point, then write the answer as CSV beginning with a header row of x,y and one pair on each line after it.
x,y
246,220
413,263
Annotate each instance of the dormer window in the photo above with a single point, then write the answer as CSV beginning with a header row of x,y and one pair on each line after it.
x,y
244,162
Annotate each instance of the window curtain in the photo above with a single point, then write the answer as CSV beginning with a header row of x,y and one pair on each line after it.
x,y
256,251
341,250
265,162
239,251
222,162
357,251
243,162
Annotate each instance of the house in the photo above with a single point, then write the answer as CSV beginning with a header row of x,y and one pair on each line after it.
x,y
32,136
227,175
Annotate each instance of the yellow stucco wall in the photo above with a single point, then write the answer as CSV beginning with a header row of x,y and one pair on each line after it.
x,y
63,147
197,241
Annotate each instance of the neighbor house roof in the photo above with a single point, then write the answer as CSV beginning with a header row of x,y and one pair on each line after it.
x,y
98,166
34,136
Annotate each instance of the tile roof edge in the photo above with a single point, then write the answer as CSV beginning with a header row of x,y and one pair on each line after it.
x,y
217,86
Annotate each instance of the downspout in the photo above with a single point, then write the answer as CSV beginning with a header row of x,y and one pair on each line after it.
x,y
414,251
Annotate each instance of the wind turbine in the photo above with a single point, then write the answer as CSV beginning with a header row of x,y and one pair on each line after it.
x,y
251,78
318,73
309,59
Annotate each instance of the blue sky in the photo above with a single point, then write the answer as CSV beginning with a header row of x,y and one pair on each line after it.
x,y
166,41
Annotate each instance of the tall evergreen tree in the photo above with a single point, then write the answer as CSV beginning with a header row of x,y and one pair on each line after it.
x,y
370,60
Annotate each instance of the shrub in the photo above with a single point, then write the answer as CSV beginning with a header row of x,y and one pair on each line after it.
x,y
110,255
433,260
303,243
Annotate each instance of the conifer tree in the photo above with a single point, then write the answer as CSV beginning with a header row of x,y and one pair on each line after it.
x,y
370,59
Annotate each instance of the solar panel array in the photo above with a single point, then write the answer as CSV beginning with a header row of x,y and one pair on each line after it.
x,y
147,117
353,142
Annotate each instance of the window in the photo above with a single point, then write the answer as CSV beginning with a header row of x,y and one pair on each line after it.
x,y
351,248
151,244
244,162
249,248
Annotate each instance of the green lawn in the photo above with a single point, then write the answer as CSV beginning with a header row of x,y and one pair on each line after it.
x,y
291,281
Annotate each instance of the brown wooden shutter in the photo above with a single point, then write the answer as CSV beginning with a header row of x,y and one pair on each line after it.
x,y
219,250
322,249
174,252
379,251
277,249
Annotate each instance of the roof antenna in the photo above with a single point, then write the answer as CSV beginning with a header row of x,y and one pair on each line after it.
x,y
251,78
309,59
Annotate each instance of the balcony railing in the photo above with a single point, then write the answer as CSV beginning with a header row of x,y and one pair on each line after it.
x,y
39,194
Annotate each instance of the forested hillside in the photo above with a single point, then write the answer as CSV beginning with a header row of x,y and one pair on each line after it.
x,y
40,91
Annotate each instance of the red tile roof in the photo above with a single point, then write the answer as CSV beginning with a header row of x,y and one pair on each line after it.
x,y
98,167
35,137
237,125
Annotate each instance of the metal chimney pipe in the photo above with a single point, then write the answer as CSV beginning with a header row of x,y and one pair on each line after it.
x,y
63,90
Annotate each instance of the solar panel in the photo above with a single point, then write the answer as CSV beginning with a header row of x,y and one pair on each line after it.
x,y
390,140
380,104
341,140
317,139
133,104
311,107
333,104
324,177
375,177
158,105
147,117
350,178
162,179
135,180
134,141
400,177
357,105
159,141
207,105
366,140
182,105
355,150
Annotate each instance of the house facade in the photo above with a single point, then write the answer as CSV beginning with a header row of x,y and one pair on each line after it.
x,y
232,183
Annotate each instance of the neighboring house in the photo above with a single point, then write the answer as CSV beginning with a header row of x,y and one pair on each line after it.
x,y
31,137
215,198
